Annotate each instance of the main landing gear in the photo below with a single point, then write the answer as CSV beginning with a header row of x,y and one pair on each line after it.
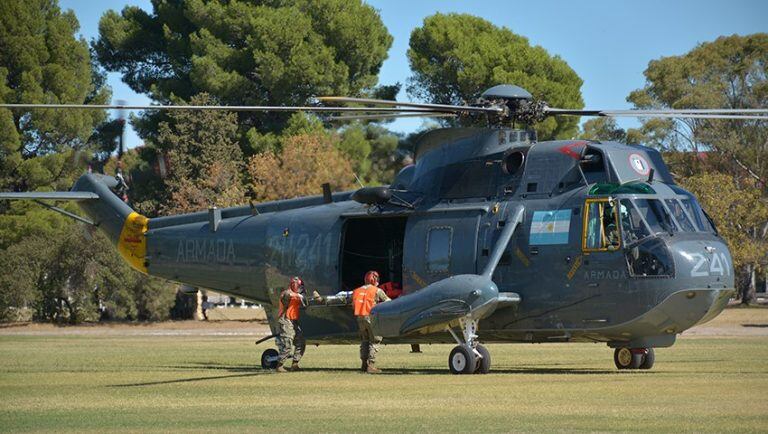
x,y
469,357
634,358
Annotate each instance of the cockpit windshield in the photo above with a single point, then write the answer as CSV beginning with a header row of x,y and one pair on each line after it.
x,y
656,215
695,211
680,215
610,223
667,215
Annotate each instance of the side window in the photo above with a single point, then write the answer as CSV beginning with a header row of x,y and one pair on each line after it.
x,y
632,226
439,249
593,166
601,228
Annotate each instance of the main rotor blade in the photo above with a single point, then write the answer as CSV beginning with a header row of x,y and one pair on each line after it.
x,y
695,113
684,116
241,108
391,116
436,107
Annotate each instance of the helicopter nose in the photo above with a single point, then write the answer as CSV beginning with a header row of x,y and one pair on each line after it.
x,y
705,268
705,264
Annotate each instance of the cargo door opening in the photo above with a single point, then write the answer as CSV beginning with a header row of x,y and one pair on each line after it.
x,y
373,244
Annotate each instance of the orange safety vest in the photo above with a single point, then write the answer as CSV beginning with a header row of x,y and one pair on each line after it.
x,y
292,313
364,298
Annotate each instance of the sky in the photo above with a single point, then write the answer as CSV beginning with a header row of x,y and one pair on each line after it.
x,y
608,42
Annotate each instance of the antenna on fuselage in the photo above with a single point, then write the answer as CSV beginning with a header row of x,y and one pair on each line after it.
x,y
358,180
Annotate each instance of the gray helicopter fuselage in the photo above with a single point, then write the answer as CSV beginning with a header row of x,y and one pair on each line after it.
x,y
664,270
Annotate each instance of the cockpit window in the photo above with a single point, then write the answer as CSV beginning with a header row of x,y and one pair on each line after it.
x,y
601,228
680,216
650,258
656,215
695,211
632,226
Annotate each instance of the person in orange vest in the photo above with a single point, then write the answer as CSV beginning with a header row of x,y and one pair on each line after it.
x,y
364,299
290,341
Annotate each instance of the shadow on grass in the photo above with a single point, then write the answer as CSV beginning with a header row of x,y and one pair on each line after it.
x,y
188,380
239,371
519,370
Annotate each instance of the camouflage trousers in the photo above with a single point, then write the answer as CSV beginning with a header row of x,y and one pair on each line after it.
x,y
369,343
290,341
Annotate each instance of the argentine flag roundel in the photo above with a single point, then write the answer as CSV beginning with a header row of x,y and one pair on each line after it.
x,y
550,227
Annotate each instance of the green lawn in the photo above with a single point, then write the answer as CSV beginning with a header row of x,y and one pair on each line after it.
x,y
86,383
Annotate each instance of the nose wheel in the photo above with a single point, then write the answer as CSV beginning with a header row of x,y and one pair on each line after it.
x,y
468,357
634,358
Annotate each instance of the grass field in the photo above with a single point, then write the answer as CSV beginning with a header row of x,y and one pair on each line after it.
x,y
63,382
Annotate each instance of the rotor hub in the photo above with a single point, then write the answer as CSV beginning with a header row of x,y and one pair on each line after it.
x,y
517,104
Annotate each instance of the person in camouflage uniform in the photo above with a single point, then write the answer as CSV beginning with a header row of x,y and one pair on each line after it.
x,y
363,300
290,340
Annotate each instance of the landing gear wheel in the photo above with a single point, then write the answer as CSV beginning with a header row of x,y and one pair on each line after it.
x,y
462,361
269,358
650,357
626,358
484,363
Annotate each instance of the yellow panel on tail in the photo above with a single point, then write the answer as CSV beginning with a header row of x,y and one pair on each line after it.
x,y
132,244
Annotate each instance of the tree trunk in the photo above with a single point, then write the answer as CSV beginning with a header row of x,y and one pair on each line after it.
x,y
749,290
70,309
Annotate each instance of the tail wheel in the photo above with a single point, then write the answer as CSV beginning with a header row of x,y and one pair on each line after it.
x,y
650,357
462,360
628,358
269,358
484,362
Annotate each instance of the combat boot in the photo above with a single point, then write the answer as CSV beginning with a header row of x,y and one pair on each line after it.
x,y
280,368
364,366
372,369
295,367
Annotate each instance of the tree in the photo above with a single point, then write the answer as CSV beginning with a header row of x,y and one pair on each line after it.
x,y
740,212
729,72
371,151
246,53
41,61
205,159
455,57
603,128
204,163
77,276
304,164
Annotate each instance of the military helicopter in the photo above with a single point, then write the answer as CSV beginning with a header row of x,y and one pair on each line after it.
x,y
493,236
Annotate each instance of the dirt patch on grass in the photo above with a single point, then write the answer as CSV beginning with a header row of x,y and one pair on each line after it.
x,y
735,321
166,328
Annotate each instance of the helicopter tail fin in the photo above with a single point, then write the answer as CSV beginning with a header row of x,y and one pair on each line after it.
x,y
93,192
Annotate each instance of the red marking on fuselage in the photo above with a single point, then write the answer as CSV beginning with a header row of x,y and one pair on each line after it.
x,y
568,149
131,240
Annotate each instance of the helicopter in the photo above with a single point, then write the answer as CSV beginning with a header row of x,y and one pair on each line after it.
x,y
493,236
